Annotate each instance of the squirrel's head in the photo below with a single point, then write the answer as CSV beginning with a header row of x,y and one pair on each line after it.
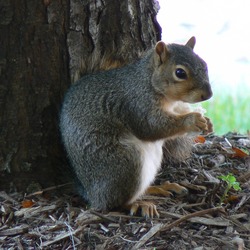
x,y
179,73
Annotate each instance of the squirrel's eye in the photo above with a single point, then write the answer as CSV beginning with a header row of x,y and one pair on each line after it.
x,y
181,73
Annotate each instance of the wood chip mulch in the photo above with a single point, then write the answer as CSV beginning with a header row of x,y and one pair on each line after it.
x,y
55,218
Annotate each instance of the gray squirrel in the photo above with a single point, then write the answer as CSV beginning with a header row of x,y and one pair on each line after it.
x,y
114,124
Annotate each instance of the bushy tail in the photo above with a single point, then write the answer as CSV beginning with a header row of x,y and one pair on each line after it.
x,y
177,150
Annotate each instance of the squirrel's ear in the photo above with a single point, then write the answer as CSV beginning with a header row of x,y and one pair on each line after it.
x,y
161,52
191,42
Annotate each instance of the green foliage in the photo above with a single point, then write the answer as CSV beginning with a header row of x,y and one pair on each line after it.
x,y
229,112
231,183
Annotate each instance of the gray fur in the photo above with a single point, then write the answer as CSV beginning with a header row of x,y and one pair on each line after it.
x,y
102,108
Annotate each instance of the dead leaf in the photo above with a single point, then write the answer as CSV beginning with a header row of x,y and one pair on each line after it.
x,y
239,153
27,203
232,199
218,160
200,139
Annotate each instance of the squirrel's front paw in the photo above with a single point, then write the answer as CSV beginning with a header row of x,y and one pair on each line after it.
x,y
209,125
195,122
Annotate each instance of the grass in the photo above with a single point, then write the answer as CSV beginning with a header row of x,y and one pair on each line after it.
x,y
229,110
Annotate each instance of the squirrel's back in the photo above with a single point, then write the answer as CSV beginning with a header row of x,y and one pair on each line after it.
x,y
107,96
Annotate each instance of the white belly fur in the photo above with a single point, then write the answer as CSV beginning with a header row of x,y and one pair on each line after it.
x,y
151,158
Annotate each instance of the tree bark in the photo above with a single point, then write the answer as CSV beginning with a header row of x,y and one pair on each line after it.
x,y
44,47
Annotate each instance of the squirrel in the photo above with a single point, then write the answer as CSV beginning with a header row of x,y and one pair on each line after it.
x,y
114,124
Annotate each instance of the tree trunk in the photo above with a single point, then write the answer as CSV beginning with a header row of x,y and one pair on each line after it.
x,y
44,46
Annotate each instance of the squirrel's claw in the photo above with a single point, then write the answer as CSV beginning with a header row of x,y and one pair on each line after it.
x,y
148,209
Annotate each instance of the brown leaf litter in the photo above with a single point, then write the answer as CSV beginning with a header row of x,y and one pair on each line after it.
x,y
56,218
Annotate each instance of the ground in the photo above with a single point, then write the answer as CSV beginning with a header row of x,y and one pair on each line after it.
x,y
55,218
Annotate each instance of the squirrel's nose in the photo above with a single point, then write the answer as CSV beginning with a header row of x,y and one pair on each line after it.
x,y
207,94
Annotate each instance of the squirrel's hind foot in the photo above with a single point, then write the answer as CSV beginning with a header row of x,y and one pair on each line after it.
x,y
147,208
167,189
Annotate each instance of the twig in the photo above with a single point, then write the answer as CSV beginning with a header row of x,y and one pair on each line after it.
x,y
243,200
238,224
19,244
188,216
61,237
71,235
48,189
15,231
194,205
102,216
156,228
5,196
244,177
160,227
